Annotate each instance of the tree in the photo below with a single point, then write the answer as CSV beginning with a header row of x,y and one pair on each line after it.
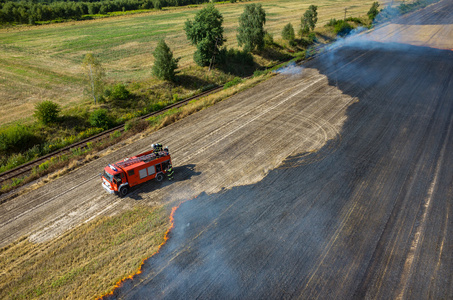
x,y
157,4
164,64
206,33
288,32
251,27
95,76
47,112
373,12
309,19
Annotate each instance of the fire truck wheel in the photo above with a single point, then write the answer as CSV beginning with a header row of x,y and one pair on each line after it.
x,y
159,177
123,191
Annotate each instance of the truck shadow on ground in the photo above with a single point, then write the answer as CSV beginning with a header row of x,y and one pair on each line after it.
x,y
182,173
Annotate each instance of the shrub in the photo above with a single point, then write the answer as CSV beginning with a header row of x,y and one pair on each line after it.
x,y
236,80
136,125
44,165
47,112
156,106
100,119
305,42
268,39
355,20
15,160
16,181
332,22
119,92
259,73
116,134
342,28
235,56
208,87
312,37
17,138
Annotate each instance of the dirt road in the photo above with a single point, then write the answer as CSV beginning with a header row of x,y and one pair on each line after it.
x,y
362,206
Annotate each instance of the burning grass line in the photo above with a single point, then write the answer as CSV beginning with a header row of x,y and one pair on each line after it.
x,y
139,271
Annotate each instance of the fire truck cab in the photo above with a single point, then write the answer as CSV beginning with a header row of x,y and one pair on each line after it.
x,y
119,177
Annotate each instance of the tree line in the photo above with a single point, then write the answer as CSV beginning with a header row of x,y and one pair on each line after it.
x,y
30,12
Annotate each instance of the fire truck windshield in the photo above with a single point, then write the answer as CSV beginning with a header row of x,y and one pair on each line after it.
x,y
108,176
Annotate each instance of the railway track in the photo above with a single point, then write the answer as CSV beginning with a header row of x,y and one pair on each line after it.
x,y
28,167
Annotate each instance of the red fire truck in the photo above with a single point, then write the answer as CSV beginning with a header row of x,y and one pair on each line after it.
x,y
119,177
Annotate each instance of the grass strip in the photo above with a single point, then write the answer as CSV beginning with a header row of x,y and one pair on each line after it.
x,y
87,261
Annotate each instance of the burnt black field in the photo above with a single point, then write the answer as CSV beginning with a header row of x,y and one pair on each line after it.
x,y
368,215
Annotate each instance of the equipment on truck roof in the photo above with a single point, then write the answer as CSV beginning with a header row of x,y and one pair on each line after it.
x,y
119,177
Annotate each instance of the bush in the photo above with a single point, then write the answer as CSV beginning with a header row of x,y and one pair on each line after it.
x,y
332,22
44,165
355,20
136,125
208,87
342,28
236,80
100,119
235,56
119,92
116,134
47,112
17,138
305,42
259,73
156,106
13,161
268,39
312,37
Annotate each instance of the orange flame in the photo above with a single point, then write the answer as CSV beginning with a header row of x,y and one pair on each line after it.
x,y
139,271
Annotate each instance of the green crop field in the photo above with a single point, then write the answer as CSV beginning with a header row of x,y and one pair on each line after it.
x,y
44,62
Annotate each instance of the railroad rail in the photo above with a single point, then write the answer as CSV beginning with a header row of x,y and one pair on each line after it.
x,y
28,167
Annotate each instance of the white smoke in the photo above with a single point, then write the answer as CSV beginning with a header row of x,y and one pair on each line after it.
x,y
291,69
